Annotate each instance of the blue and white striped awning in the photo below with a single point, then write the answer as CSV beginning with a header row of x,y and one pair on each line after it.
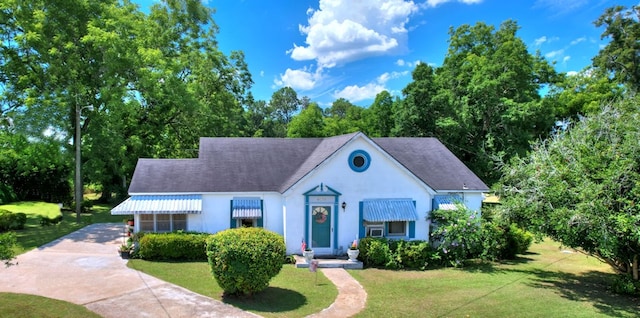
x,y
160,204
389,210
246,208
446,202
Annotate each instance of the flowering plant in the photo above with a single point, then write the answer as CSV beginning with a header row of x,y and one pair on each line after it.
x,y
304,246
354,245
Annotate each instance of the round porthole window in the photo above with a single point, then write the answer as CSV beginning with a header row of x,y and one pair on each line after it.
x,y
359,160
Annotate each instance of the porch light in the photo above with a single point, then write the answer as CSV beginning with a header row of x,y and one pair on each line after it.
x,y
344,206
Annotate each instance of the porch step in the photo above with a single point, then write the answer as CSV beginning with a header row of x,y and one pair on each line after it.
x,y
328,263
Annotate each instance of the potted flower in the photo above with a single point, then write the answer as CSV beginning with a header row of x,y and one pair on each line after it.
x,y
124,250
353,251
307,252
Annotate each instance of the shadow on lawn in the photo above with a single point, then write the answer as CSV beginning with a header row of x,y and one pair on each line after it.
x,y
592,286
272,299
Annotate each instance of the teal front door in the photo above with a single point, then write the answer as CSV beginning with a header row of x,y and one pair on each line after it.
x,y
320,226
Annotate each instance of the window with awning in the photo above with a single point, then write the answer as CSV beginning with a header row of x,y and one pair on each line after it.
x,y
446,202
246,208
389,210
388,217
159,204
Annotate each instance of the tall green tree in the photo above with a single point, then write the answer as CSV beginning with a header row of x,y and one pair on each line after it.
x,y
157,81
582,94
418,113
309,123
582,187
343,117
620,56
490,82
285,104
379,116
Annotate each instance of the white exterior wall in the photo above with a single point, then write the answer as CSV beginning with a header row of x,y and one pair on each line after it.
x,y
383,179
286,213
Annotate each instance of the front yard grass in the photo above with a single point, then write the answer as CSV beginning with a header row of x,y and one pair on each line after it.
x,y
292,293
547,282
27,306
35,235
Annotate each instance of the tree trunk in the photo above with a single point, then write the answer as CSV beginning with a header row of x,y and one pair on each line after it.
x,y
635,267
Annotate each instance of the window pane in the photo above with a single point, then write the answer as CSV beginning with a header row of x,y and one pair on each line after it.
x,y
397,228
163,222
146,222
179,222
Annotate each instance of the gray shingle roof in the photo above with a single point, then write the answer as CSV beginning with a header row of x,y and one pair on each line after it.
x,y
276,164
432,162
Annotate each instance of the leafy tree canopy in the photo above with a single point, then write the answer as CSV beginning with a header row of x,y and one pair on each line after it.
x,y
582,186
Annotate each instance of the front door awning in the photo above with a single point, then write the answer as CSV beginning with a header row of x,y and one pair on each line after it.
x,y
160,204
246,208
389,210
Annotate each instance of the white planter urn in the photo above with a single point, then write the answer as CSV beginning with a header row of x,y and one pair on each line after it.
x,y
308,256
353,255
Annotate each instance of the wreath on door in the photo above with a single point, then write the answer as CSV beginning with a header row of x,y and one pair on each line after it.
x,y
320,214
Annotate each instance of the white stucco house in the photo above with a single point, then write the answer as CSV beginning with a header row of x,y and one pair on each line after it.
x,y
325,191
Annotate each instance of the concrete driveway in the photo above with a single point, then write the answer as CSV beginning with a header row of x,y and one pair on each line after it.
x,y
85,268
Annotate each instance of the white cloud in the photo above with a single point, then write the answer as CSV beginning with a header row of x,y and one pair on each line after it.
x,y
261,73
341,31
566,59
560,7
434,3
540,40
301,79
401,62
572,73
554,54
355,93
578,40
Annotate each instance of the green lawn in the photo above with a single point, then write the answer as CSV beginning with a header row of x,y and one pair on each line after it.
x,y
292,293
21,305
547,282
35,235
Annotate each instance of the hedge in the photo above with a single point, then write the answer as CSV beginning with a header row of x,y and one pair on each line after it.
x,y
12,221
175,246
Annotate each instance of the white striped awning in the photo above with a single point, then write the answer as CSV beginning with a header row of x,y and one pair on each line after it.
x,y
446,202
246,208
389,210
160,204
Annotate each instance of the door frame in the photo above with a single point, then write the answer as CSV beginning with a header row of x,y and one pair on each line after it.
x,y
322,196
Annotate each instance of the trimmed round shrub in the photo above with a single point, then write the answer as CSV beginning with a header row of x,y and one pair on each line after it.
x,y
176,246
244,260
12,221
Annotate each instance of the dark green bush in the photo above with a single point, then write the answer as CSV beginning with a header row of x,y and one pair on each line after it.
x,y
7,243
12,221
46,221
625,285
244,260
521,239
397,254
374,252
183,246
85,208
7,195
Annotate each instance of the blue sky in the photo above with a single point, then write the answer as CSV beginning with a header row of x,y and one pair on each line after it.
x,y
328,49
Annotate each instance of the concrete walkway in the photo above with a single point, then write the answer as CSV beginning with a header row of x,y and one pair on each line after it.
x,y
84,268
351,296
